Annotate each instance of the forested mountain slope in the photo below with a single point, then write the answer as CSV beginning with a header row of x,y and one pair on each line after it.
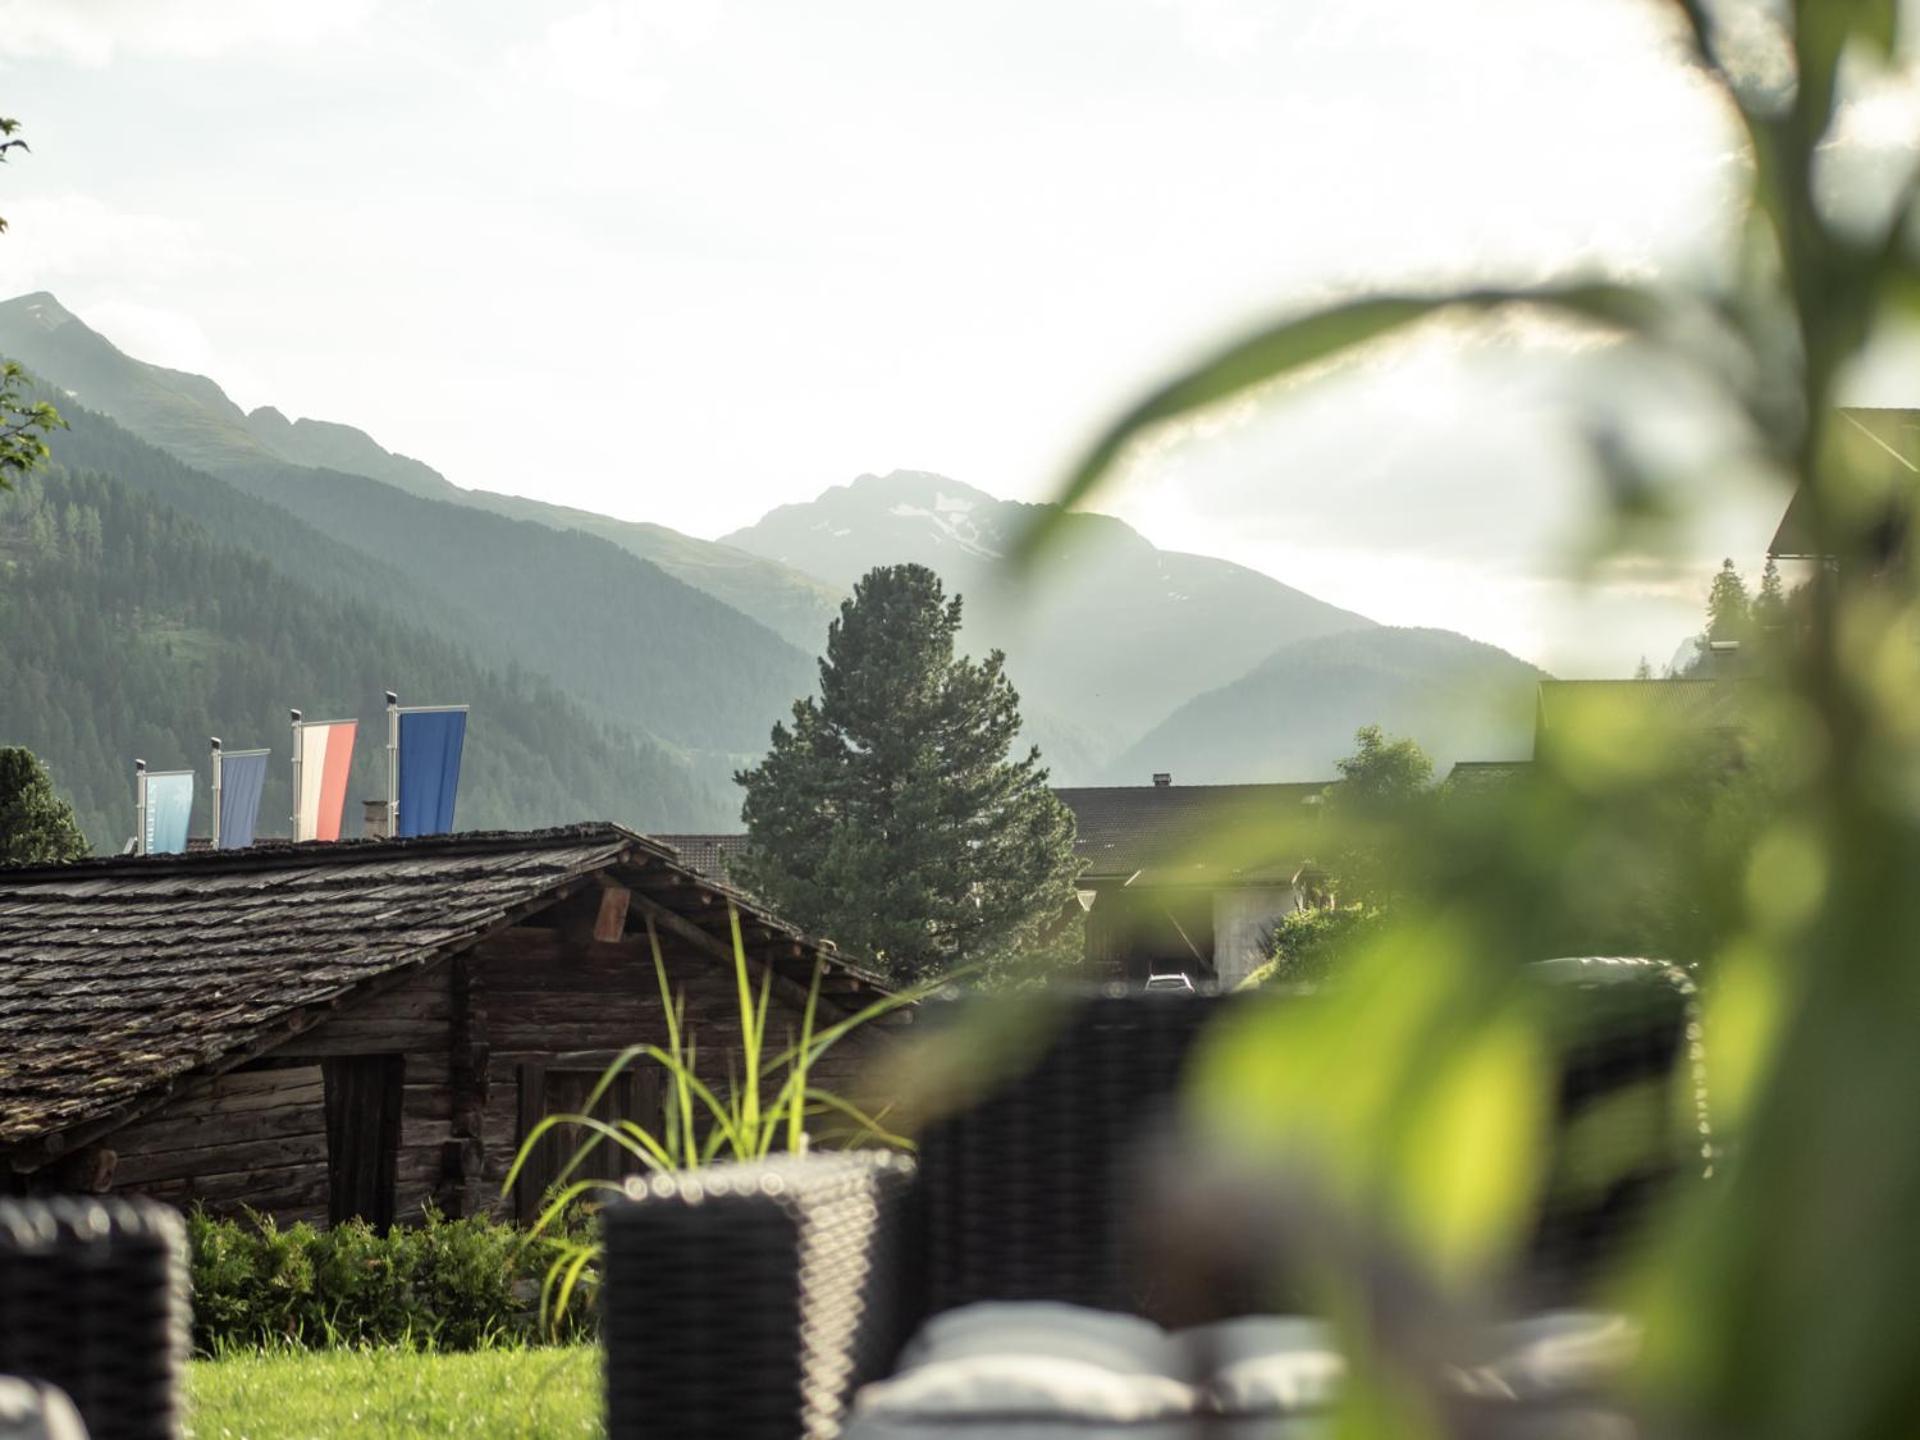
x,y
131,632
644,649
1293,716
192,418
93,443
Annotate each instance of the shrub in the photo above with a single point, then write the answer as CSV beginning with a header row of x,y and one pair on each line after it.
x,y
1308,945
444,1284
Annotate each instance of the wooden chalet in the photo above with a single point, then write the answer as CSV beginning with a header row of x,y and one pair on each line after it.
x,y
358,1029
1190,878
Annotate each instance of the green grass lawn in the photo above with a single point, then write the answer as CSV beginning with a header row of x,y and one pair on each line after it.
x,y
317,1395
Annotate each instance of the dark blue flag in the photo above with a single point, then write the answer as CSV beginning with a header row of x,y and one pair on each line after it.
x,y
430,745
243,774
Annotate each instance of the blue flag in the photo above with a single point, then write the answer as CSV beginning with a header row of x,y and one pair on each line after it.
x,y
169,808
430,745
243,774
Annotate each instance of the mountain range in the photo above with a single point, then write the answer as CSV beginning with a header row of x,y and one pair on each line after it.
x,y
1107,634
1460,698
658,660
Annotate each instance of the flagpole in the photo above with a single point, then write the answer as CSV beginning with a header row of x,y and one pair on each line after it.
x,y
295,817
393,764
216,792
139,807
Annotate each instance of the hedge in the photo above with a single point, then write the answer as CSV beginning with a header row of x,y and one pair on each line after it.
x,y
444,1284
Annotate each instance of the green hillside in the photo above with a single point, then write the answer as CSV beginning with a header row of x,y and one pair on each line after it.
x,y
192,418
1293,716
130,631
640,647
795,606
94,443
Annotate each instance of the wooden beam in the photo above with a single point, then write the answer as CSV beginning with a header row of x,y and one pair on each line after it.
x,y
611,923
682,928
675,924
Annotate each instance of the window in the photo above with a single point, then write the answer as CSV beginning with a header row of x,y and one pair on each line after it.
x,y
363,1136
561,1087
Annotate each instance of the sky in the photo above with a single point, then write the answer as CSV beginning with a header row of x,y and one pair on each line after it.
x,y
686,261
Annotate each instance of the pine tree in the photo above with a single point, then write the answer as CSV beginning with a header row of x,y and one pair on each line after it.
x,y
1643,671
891,816
1770,605
36,825
1729,610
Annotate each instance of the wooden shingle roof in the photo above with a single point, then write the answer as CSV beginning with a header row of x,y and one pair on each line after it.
x,y
1192,834
120,977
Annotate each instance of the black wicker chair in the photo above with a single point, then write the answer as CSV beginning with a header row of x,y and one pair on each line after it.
x,y
751,1302
94,1300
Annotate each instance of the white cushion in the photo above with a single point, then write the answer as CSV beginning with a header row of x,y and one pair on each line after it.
x,y
1034,1370
32,1410
1267,1364
1025,1387
1558,1353
1031,1361
1123,1343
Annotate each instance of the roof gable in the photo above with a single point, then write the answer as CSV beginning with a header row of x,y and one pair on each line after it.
x,y
1887,437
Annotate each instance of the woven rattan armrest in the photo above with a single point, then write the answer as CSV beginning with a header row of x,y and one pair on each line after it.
x,y
93,1300
748,1302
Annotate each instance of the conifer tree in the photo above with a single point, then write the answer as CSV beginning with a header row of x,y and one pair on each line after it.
x,y
891,815
1729,610
1770,605
36,825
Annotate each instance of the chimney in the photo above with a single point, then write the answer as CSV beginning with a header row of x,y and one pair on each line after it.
x,y
375,824
1161,779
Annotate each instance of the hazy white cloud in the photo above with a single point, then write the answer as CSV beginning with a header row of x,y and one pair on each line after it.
x,y
1225,29
748,248
623,54
94,32
60,238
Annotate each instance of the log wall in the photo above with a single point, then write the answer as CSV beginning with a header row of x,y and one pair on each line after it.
x,y
257,1136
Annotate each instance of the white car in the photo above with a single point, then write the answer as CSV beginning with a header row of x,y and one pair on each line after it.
x,y
1176,980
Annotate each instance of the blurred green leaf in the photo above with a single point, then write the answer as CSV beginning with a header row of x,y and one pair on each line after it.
x,y
1823,29
1408,1092
1473,1153
1744,1010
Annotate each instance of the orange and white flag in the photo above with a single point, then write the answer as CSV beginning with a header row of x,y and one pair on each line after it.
x,y
323,749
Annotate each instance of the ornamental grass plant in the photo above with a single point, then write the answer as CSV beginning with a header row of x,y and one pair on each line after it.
x,y
769,1103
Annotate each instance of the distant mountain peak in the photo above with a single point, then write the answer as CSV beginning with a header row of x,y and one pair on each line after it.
x,y
268,419
915,483
1106,643
44,310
